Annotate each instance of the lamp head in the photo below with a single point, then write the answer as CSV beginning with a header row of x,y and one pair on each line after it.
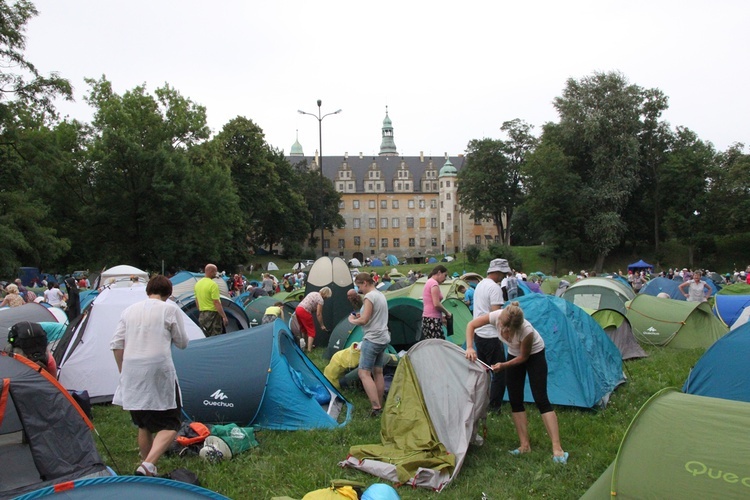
x,y
319,102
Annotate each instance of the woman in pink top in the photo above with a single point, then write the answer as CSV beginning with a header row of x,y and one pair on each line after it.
x,y
433,309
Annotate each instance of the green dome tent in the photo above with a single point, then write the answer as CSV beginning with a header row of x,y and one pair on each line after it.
x,y
681,446
678,324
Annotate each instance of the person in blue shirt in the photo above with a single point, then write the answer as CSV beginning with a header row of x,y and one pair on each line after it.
x,y
469,296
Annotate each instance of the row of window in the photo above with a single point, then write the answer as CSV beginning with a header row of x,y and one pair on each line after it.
x,y
394,204
395,222
397,241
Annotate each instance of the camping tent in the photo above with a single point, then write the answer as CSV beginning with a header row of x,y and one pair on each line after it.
x,y
83,356
584,365
260,377
45,437
333,273
125,488
429,419
683,325
183,284
272,267
641,265
663,285
392,260
120,276
665,454
723,370
355,262
461,318
599,293
728,308
376,263
36,313
237,319
605,298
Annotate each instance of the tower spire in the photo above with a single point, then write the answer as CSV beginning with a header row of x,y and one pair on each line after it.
x,y
387,146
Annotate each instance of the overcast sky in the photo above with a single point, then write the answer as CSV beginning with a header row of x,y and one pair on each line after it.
x,y
449,71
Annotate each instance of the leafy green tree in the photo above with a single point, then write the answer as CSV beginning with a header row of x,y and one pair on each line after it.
x,y
485,184
687,172
728,202
322,201
150,202
26,103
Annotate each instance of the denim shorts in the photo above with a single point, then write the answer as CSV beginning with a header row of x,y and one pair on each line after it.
x,y
372,355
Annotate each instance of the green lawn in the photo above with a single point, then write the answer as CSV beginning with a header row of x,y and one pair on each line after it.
x,y
294,463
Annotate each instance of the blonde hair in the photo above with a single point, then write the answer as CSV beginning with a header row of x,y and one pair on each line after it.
x,y
513,317
11,288
325,292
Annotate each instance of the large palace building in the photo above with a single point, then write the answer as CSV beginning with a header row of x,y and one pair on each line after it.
x,y
400,205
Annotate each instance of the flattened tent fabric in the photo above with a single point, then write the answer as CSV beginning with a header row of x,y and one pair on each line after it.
x,y
45,437
663,285
429,419
678,324
584,365
125,488
639,266
599,293
83,356
333,273
264,380
723,371
664,455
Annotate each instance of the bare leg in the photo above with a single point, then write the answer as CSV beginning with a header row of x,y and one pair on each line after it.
x,y
161,443
377,375
370,388
550,422
145,441
310,343
522,429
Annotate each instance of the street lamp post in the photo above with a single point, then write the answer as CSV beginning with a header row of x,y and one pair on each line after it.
x,y
320,117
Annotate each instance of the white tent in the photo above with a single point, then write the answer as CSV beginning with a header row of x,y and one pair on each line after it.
x,y
120,276
355,263
272,266
86,361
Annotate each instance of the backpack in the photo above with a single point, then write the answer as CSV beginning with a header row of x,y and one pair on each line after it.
x,y
31,339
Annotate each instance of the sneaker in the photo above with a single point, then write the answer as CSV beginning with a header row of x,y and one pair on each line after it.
x,y
143,470
376,412
561,459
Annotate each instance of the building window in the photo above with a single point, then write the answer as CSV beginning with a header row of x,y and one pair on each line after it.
x,y
433,203
422,222
433,222
412,242
326,243
410,222
398,186
448,216
341,205
434,242
447,196
372,242
373,223
447,183
341,243
410,204
441,205
357,241
383,242
394,222
372,202
394,204
421,204
396,242
351,188
442,225
383,203
448,237
384,222
488,237
355,204
422,242
356,223
478,240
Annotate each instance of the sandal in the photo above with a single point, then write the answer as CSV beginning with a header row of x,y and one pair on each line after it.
x,y
560,459
142,470
517,452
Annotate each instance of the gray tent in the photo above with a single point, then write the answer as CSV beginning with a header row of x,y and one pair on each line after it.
x,y
45,438
332,272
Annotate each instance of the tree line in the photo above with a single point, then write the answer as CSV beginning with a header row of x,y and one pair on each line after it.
x,y
144,182
610,173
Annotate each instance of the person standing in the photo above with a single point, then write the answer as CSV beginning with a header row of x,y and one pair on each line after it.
x,y
526,357
212,318
268,284
313,302
54,296
374,322
432,305
74,300
148,385
697,290
486,345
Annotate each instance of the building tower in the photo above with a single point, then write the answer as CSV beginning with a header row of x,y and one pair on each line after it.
x,y
387,146
296,147
448,207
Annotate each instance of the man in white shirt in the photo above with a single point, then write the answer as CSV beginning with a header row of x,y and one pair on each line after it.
x,y
488,297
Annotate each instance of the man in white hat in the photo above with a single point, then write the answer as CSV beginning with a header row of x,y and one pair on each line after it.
x,y
488,297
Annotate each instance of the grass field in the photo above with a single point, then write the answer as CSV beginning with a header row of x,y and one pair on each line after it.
x,y
294,463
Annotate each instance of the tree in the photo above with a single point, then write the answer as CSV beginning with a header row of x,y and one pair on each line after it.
x,y
728,202
26,102
600,123
322,201
485,183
